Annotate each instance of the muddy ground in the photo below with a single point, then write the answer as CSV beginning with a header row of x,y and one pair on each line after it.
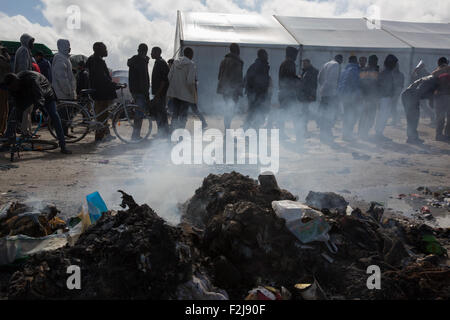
x,y
360,171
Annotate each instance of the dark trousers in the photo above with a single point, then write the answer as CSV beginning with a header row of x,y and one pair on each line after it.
x,y
3,110
231,100
367,115
442,109
161,115
257,110
351,114
327,113
412,112
180,113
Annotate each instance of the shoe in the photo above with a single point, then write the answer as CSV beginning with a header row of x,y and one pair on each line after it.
x,y
415,141
108,138
65,151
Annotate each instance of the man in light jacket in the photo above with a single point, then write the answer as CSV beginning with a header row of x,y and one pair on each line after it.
x,y
23,59
328,80
182,87
63,80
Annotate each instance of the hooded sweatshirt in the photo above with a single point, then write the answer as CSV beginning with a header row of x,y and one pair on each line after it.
x,y
23,59
63,80
182,80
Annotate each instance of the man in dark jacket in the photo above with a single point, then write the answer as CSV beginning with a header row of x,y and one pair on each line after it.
x,y
422,88
386,86
257,82
370,98
82,77
5,68
288,87
105,89
307,92
231,82
44,65
349,89
160,84
28,88
139,84
442,100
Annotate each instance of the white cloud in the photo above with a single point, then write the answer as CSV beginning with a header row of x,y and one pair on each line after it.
x,y
122,25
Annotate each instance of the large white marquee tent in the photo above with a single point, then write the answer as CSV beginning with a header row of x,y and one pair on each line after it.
x,y
319,39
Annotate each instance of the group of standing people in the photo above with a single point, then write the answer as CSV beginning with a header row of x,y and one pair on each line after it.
x,y
368,95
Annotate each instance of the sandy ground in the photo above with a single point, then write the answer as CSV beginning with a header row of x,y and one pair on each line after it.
x,y
146,171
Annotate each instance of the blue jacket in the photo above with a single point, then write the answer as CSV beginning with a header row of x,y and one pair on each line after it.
x,y
349,81
46,69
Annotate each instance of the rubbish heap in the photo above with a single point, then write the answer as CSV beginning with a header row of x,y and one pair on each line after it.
x,y
133,254
20,219
240,238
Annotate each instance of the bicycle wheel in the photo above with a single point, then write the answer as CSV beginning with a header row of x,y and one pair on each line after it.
x,y
132,124
38,145
74,120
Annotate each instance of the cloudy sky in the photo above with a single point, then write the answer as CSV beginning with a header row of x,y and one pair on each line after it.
x,y
123,24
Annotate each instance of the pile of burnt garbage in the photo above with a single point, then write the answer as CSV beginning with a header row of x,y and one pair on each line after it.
x,y
240,238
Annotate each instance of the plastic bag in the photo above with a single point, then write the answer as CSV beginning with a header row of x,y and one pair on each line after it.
x,y
314,230
96,206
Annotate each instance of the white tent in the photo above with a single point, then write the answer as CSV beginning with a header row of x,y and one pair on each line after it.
x,y
318,39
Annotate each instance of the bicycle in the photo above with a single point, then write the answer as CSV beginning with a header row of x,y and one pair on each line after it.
x,y
25,143
78,118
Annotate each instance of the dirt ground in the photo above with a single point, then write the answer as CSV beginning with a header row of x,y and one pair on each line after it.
x,y
360,171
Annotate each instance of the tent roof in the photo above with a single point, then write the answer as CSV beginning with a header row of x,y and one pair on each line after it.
x,y
337,32
207,27
420,35
239,28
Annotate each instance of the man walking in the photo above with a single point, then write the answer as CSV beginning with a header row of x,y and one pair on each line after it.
x,y
160,84
257,82
288,86
328,80
349,89
422,88
105,89
370,98
386,85
231,82
182,87
307,94
28,88
442,100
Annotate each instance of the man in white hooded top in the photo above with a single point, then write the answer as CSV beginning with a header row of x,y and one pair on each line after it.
x,y
63,80
182,87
